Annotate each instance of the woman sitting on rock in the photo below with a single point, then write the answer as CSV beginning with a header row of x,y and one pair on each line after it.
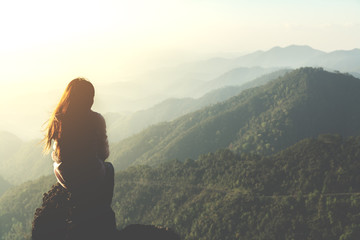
x,y
80,143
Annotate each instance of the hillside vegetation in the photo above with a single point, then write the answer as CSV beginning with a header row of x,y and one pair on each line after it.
x,y
17,207
311,190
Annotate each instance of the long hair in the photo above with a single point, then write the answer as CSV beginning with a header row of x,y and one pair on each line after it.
x,y
76,100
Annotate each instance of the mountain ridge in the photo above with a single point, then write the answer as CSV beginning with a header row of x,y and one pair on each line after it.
x,y
292,56
240,123
198,73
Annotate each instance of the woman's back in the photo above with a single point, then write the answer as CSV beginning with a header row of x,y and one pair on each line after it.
x,y
81,149
83,139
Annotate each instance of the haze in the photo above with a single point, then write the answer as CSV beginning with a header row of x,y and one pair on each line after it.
x,y
45,44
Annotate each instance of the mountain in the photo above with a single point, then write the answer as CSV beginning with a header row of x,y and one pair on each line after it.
x,y
341,60
357,75
21,161
307,102
4,185
181,82
292,56
307,191
9,143
236,77
303,103
17,207
121,126
295,56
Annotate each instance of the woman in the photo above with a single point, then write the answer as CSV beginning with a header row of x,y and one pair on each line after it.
x,y
80,141
80,148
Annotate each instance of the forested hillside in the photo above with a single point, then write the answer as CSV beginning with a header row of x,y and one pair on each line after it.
x,y
303,103
120,126
17,207
309,191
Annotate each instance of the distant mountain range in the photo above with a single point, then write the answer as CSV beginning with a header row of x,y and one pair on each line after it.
x,y
295,56
343,61
292,56
304,103
21,161
197,78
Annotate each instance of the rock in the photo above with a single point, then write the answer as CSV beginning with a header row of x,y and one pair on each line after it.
x,y
63,217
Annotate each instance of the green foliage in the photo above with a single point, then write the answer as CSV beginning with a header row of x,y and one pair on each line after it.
x,y
298,193
17,207
308,191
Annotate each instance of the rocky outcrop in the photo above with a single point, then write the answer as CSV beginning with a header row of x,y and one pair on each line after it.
x,y
63,217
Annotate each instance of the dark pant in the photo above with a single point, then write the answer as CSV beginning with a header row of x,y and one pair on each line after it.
x,y
92,214
98,193
109,183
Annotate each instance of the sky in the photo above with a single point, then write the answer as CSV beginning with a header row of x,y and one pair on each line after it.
x,y
49,42
44,44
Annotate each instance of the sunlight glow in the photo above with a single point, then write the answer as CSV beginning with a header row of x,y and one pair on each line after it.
x,y
44,44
